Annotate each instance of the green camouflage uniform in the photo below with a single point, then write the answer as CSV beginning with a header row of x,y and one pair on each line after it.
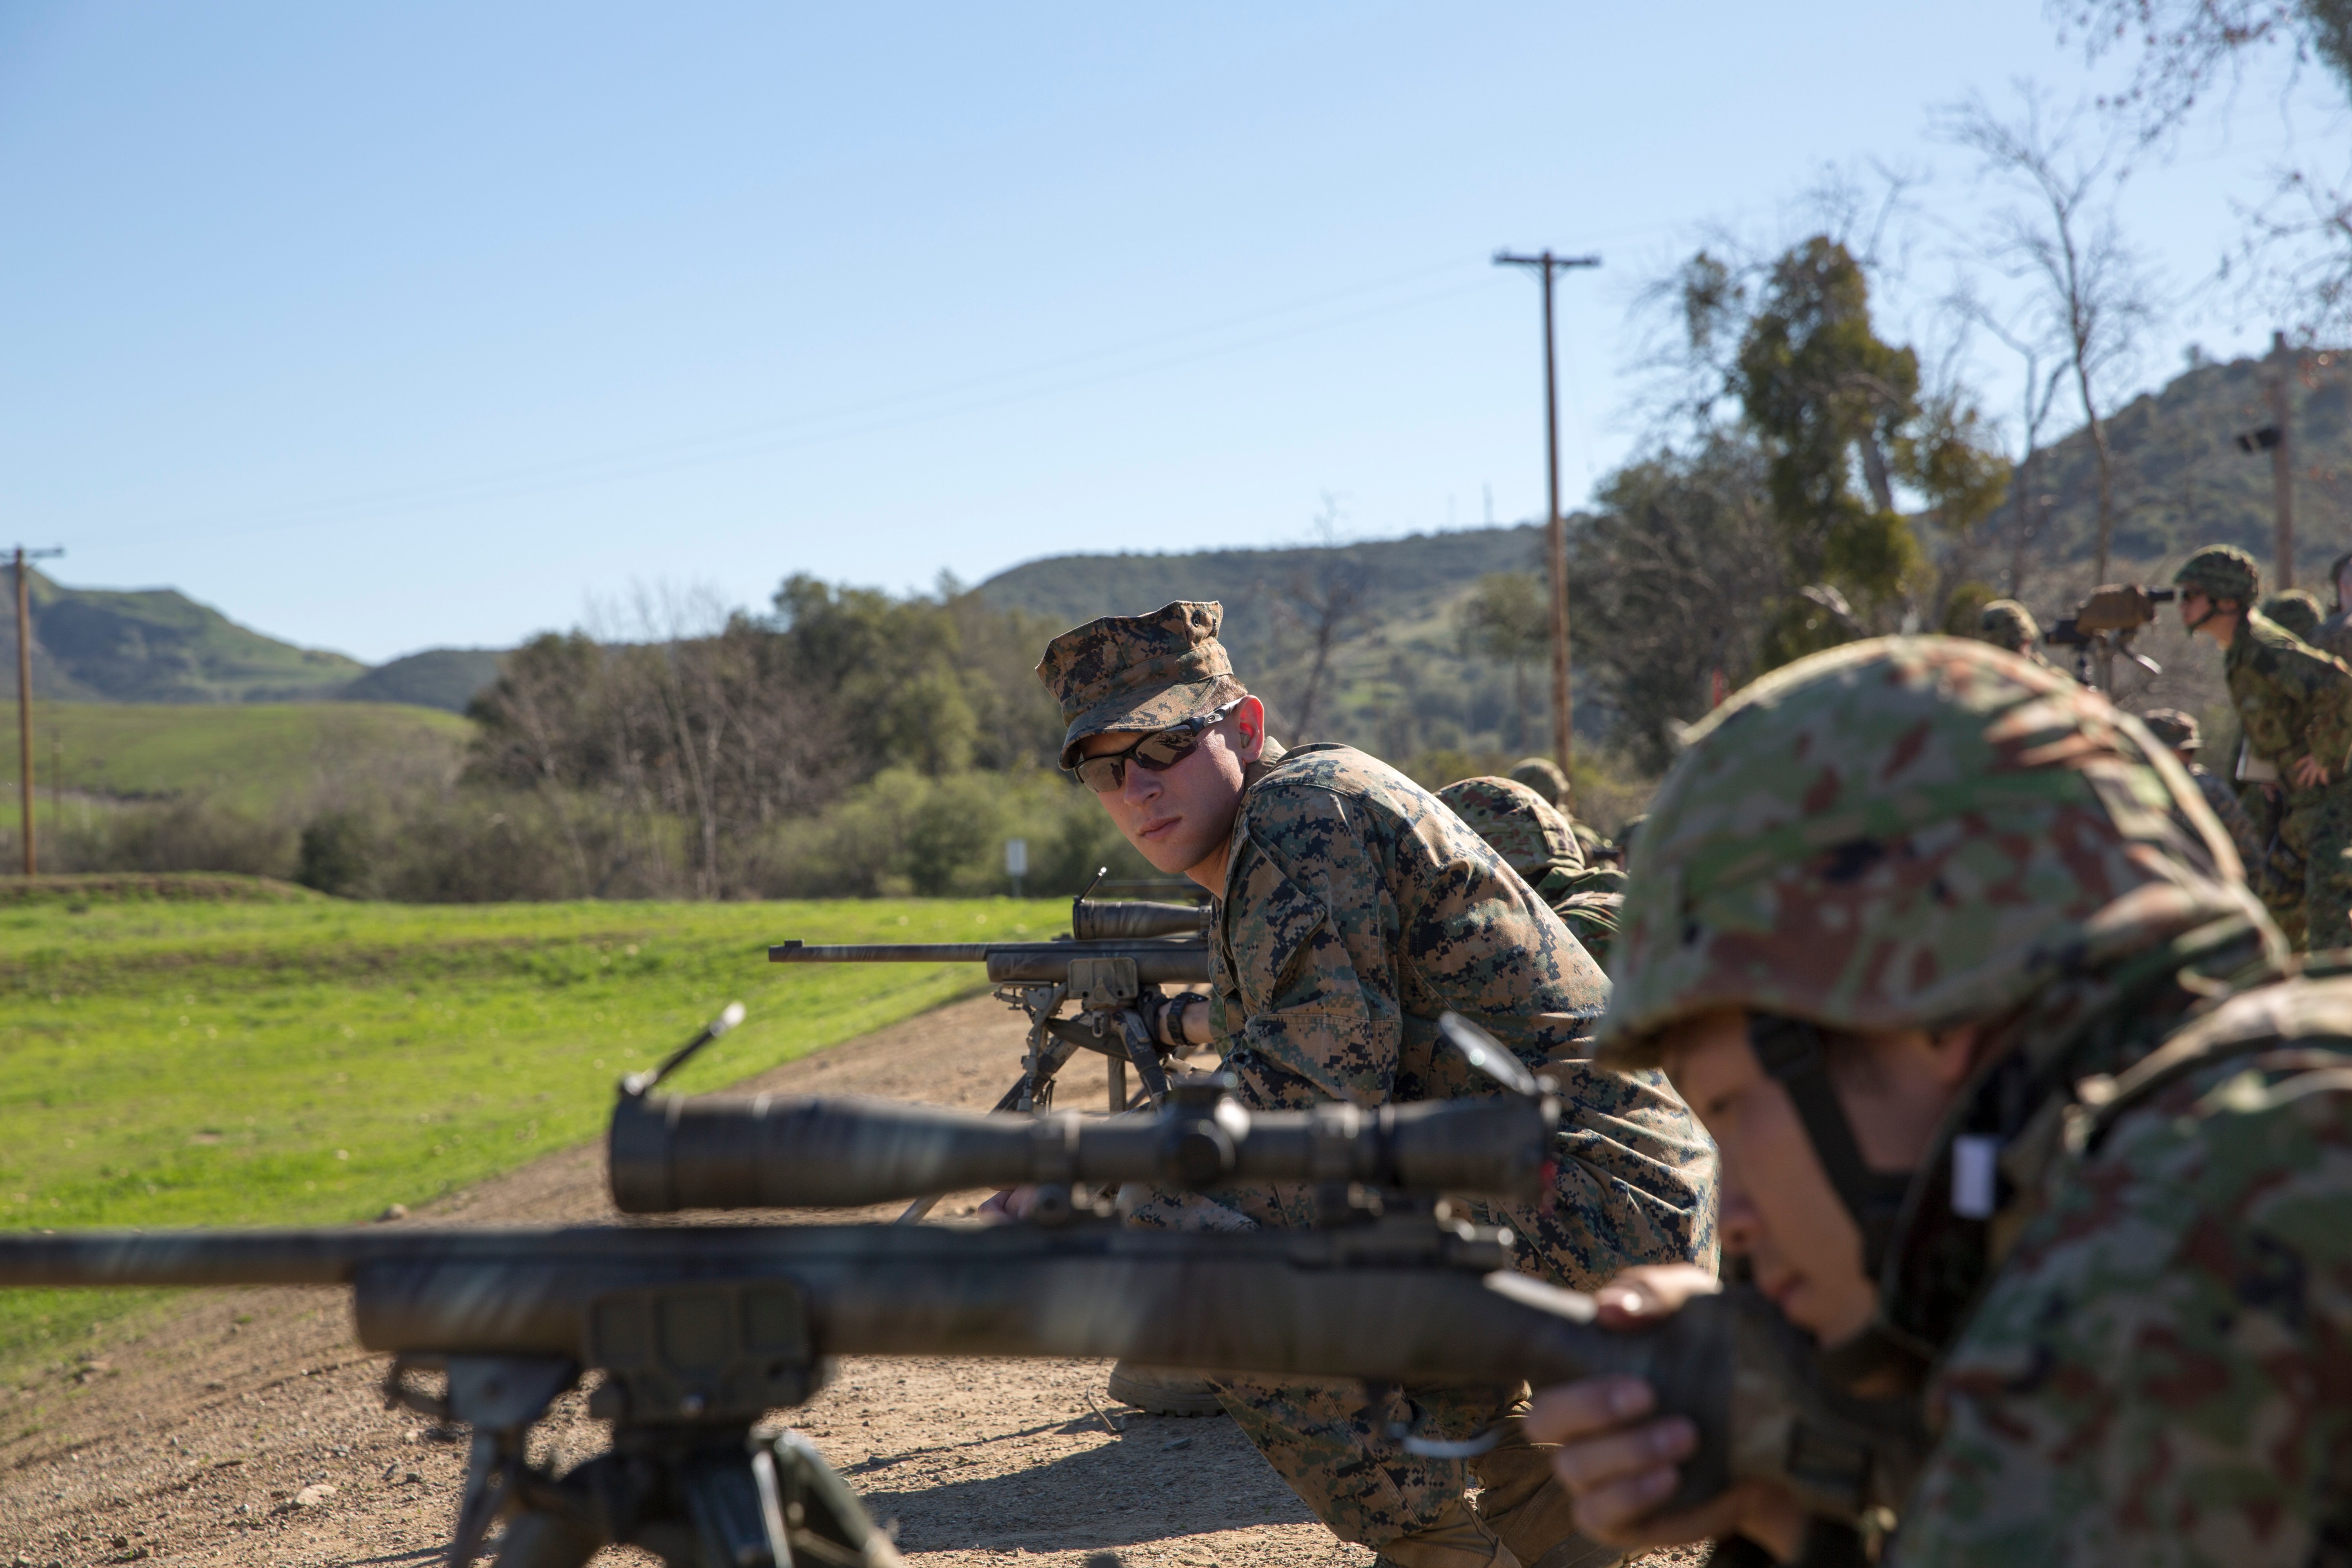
x,y
2296,611
2294,701
2162,1371
1357,908
1538,841
2139,1348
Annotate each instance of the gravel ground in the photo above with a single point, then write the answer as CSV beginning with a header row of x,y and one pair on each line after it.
x,y
244,1427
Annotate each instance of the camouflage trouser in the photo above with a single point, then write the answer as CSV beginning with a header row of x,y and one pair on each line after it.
x,y
2317,827
1320,1437
1337,1452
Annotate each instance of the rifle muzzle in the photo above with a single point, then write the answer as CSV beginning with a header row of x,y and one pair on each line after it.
x,y
771,1152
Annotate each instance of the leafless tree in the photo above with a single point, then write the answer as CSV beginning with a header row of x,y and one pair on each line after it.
x,y
2091,297
1321,603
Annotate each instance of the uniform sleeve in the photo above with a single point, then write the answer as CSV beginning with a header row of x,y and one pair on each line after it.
x,y
2270,709
2162,1373
1314,990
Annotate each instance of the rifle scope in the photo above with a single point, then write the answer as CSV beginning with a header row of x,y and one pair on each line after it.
x,y
772,1151
1120,919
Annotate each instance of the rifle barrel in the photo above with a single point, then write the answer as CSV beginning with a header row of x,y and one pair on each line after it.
x,y
1159,960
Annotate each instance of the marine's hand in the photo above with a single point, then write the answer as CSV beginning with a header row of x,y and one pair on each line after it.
x,y
1009,1204
1619,1465
2306,771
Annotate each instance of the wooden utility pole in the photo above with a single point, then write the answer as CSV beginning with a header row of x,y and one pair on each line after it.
x,y
2281,367
1555,535
25,691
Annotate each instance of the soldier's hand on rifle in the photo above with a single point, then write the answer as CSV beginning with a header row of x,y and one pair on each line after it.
x,y
1619,1465
1009,1204
1181,1021
2306,771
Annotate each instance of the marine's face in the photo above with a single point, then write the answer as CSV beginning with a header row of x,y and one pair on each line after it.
x,y
1778,1207
1182,815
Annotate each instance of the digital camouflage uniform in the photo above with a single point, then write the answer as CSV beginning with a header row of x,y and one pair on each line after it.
x,y
1356,908
1539,843
2143,1353
2292,702
2181,732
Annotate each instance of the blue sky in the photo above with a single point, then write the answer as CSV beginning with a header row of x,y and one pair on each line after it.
x,y
387,327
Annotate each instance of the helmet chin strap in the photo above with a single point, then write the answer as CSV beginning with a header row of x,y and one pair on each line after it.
x,y
2213,608
1792,1051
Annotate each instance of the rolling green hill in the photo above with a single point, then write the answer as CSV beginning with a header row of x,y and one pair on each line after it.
x,y
248,755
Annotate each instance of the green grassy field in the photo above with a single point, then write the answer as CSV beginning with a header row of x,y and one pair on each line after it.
x,y
247,755
313,1061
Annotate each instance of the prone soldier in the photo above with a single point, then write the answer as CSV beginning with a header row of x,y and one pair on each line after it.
x,y
2294,707
1535,841
1920,935
1352,910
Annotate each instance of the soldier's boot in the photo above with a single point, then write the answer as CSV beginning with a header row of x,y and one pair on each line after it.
x,y
1163,1389
1457,1538
1529,1509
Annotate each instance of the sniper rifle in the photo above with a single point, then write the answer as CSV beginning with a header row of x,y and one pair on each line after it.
x,y
696,1333
1110,969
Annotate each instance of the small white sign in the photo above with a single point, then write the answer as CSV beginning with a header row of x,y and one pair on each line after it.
x,y
1016,856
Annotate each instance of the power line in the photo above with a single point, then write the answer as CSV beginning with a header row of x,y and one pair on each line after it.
x,y
797,432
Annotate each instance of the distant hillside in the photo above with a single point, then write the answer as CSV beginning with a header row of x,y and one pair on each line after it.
x,y
444,678
1399,683
160,645
2182,481
157,644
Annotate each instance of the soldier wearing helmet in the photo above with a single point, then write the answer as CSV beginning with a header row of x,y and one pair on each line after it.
x,y
1938,944
2294,708
2295,610
2181,732
2005,623
1353,909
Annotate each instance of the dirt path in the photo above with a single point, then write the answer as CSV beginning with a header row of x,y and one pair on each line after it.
x,y
245,1427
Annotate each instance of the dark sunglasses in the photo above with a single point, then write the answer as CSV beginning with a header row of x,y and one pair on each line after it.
x,y
1155,752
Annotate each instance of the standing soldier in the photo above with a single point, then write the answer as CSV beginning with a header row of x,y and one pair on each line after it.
x,y
2335,631
2181,731
1352,910
1535,841
2294,707
2055,1220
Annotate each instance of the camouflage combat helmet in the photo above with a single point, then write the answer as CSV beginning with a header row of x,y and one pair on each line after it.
x,y
1526,830
1139,672
2005,623
1542,776
1907,832
2295,609
2174,728
2221,571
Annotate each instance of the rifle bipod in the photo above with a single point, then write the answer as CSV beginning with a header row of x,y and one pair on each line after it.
x,y
716,1494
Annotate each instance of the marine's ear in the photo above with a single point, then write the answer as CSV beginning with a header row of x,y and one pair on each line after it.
x,y
1248,720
